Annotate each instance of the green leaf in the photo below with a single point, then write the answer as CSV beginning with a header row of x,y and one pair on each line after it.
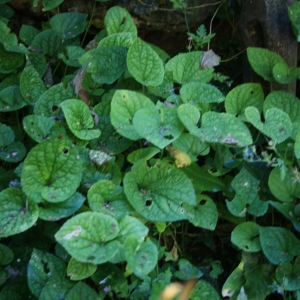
x,y
287,276
278,244
48,104
263,61
144,64
285,75
124,105
68,25
293,12
286,190
277,126
7,135
204,290
202,180
50,4
109,199
28,33
145,153
56,289
72,55
31,84
141,257
205,214
9,61
234,282
82,291
225,129
246,198
288,210
79,270
246,237
79,119
120,39
200,92
48,41
160,128
242,96
154,194
88,237
52,169
14,152
42,269
6,255
284,101
16,290
39,62
191,145
118,20
37,127
186,68
56,211
187,270
189,115
106,64
3,277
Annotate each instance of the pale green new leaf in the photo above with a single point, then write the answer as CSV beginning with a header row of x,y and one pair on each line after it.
x,y
277,126
31,84
263,61
278,244
79,119
52,169
50,4
144,64
117,19
68,25
225,129
124,105
189,115
200,92
285,75
246,237
293,12
141,257
160,128
88,237
157,193
78,270
17,212
242,96
145,153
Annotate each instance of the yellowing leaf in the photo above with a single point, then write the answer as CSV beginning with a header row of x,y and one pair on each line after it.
x,y
181,158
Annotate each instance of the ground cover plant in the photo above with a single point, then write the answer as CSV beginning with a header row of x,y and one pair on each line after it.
x,y
123,169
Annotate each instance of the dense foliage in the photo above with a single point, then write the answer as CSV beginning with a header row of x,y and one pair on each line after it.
x,y
119,163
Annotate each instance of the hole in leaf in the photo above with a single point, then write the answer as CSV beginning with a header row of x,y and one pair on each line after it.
x,y
247,205
202,202
45,267
246,247
47,183
124,96
169,137
148,202
91,257
65,151
55,109
251,92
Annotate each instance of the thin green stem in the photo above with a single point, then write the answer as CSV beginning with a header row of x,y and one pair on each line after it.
x,y
90,22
